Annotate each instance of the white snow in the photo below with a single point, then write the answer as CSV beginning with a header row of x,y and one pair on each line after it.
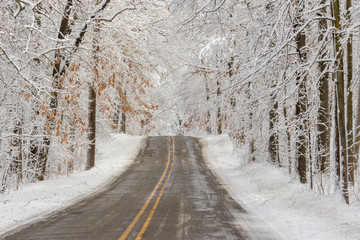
x,y
288,207
36,200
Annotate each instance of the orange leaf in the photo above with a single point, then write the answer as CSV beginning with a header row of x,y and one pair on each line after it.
x,y
27,96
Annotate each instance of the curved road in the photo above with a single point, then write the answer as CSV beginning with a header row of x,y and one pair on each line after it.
x,y
167,193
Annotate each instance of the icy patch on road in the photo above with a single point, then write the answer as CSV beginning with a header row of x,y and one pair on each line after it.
x,y
286,206
36,200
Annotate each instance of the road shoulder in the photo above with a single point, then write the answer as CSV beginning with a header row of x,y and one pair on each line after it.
x,y
250,221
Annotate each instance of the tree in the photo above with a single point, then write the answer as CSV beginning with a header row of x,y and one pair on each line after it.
x,y
274,105
301,105
323,125
349,101
340,101
357,128
45,71
58,71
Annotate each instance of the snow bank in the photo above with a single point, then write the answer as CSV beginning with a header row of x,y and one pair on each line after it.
x,y
288,207
34,201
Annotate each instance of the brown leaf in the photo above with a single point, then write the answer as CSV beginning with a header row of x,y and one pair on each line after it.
x,y
27,96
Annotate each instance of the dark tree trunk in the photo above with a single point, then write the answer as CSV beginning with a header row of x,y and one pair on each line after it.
x,y
208,114
349,124
90,159
231,72
17,147
123,122
273,139
357,128
57,73
337,141
301,144
323,128
90,162
250,130
123,118
340,95
273,114
301,105
218,115
288,140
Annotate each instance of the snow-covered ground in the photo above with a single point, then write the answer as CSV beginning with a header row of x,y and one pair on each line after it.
x,y
34,201
265,191
287,206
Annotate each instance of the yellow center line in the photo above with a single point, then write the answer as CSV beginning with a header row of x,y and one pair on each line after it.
x,y
146,224
136,219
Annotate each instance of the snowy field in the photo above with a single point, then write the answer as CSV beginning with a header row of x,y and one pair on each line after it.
x,y
36,200
288,207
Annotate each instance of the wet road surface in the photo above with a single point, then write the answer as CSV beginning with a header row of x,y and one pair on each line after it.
x,y
167,193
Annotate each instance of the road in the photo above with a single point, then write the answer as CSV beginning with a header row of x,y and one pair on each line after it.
x,y
167,193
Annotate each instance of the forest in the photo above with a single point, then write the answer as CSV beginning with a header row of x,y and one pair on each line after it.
x,y
280,77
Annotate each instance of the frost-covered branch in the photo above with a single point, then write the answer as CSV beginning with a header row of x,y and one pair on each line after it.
x,y
110,19
45,35
245,79
8,59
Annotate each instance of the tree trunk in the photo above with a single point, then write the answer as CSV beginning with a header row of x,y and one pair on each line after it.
x,y
273,139
18,145
323,127
218,115
208,114
288,140
357,128
301,104
350,118
123,122
58,59
273,115
250,130
301,144
231,73
90,159
340,94
123,118
337,142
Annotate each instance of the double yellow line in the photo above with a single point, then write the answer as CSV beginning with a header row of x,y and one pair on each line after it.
x,y
151,214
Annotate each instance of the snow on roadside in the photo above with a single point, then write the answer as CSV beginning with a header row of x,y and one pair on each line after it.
x,y
36,200
287,206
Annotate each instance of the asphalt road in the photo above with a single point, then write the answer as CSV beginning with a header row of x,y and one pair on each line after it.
x,y
167,193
